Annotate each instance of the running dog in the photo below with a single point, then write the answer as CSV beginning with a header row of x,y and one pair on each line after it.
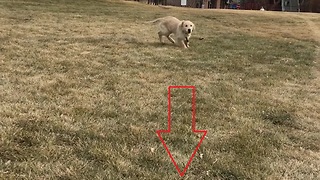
x,y
181,29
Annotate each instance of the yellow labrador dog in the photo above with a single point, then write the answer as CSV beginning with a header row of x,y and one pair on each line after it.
x,y
181,29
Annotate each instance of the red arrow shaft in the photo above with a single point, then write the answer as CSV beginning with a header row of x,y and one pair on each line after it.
x,y
193,109
193,106
169,109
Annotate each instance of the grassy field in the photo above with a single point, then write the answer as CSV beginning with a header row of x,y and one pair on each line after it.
x,y
83,89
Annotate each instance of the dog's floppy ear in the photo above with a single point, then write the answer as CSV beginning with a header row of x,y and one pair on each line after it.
x,y
182,22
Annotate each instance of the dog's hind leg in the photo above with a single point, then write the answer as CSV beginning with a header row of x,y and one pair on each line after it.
x,y
160,36
164,32
170,39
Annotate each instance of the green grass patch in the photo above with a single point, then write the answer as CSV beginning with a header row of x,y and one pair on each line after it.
x,y
83,89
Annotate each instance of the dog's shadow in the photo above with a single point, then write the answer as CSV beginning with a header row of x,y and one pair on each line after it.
x,y
159,44
156,44
151,44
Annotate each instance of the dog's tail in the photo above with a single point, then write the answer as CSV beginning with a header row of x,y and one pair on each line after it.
x,y
156,21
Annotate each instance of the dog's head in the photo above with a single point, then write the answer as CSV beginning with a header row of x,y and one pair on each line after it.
x,y
187,27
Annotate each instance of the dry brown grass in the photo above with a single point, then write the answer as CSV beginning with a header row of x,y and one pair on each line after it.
x,y
83,88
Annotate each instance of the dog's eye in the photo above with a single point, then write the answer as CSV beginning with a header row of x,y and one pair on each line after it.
x,y
186,25
190,25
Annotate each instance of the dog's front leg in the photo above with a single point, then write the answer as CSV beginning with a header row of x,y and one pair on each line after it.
x,y
182,43
186,42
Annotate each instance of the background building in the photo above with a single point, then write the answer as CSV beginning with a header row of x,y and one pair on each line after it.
x,y
269,5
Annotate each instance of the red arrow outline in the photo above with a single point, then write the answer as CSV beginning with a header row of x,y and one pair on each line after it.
x,y
194,130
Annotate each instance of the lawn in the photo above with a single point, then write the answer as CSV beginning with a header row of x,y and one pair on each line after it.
x,y
84,86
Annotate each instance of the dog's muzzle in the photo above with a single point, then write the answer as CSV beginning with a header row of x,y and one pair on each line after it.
x,y
189,31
